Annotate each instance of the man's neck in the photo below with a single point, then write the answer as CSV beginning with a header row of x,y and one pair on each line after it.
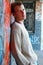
x,y
19,21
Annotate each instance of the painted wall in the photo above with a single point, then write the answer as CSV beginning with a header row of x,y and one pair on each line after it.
x,y
4,32
7,12
42,29
36,37
1,31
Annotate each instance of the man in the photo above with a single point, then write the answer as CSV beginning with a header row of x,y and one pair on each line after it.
x,y
21,47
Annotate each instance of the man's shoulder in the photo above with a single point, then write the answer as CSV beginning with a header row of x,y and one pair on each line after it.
x,y
15,26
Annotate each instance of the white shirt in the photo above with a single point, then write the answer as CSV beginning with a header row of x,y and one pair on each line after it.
x,y
23,45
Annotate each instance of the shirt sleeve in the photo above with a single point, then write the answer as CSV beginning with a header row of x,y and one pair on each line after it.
x,y
17,40
27,48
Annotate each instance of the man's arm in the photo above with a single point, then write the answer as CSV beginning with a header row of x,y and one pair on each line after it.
x,y
28,49
13,49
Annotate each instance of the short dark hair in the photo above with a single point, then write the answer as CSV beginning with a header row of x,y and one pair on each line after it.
x,y
14,4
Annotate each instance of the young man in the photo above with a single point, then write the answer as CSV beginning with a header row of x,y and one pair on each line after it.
x,y
21,47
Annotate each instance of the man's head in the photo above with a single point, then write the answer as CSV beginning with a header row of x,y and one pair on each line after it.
x,y
18,11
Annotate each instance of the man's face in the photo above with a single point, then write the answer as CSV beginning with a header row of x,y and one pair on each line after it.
x,y
22,8
20,13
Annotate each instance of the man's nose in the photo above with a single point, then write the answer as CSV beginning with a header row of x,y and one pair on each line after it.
x,y
22,13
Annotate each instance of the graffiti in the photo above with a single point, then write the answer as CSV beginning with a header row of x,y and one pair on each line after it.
x,y
6,27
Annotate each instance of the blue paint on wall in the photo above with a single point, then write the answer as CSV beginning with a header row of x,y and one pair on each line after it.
x,y
1,31
36,37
